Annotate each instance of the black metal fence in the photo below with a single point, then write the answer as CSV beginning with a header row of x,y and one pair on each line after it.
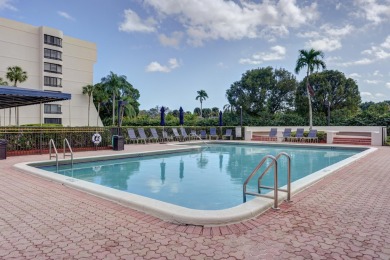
x,y
35,140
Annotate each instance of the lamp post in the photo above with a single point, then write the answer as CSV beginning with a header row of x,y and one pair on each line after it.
x,y
241,116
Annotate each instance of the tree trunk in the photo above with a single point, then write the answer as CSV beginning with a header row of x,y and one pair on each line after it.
x,y
309,99
89,106
201,112
113,109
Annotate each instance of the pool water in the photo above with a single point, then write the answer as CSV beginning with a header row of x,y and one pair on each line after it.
x,y
210,178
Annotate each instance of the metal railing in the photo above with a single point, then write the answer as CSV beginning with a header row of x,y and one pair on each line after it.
x,y
53,146
66,144
275,188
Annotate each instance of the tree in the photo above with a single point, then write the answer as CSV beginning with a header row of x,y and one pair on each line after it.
x,y
197,111
16,74
117,86
215,111
88,89
262,90
310,59
331,88
100,96
202,95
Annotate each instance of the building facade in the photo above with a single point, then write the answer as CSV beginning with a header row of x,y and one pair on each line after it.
x,y
53,62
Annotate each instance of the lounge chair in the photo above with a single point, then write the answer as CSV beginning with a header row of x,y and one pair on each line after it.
x,y
194,135
287,134
312,136
272,134
166,137
228,134
203,134
184,134
155,135
176,135
132,136
238,132
142,135
213,133
298,135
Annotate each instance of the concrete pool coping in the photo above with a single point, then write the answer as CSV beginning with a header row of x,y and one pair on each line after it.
x,y
181,215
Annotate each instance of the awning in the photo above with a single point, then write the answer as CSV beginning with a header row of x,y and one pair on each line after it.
x,y
17,97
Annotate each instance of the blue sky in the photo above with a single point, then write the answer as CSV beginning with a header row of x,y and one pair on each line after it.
x,y
170,49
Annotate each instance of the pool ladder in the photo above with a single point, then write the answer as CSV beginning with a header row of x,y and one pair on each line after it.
x,y
52,146
275,188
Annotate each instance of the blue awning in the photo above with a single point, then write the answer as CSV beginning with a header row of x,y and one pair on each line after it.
x,y
17,97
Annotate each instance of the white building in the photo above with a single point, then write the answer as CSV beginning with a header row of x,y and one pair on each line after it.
x,y
53,62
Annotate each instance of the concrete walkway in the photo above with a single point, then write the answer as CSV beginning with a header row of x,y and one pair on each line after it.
x,y
345,216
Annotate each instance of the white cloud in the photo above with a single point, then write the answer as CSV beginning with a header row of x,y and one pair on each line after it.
x,y
325,44
173,41
354,75
7,4
371,81
388,84
377,74
373,11
366,94
133,23
66,15
277,53
386,43
379,95
157,67
230,20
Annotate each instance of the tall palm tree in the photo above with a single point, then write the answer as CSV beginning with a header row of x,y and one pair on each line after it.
x,y
311,59
100,96
113,85
202,95
16,74
88,89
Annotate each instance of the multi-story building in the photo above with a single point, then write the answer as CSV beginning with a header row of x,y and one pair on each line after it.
x,y
53,62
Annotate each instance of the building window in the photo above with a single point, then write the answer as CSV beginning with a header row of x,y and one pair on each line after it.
x,y
53,81
52,109
54,68
52,40
53,54
53,121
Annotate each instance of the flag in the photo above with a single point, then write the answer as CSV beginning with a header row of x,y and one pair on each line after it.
x,y
310,89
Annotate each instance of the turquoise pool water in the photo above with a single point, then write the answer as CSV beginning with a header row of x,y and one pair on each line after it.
x,y
209,178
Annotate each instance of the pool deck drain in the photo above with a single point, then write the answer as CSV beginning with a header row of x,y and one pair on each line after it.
x,y
345,215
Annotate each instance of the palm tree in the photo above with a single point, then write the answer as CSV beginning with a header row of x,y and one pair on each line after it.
x,y
112,84
202,95
88,89
311,59
99,96
16,74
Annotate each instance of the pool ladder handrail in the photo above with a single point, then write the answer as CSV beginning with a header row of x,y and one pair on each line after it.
x,y
66,144
275,188
53,146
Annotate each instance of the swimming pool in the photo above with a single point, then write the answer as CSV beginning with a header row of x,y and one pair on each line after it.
x,y
209,178
186,175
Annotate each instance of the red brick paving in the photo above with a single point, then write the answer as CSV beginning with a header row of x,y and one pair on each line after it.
x,y
345,216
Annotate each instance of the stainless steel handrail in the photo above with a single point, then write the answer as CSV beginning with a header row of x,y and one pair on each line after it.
x,y
52,145
288,190
275,164
66,143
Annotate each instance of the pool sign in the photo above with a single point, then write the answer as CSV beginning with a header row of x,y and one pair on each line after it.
x,y
96,138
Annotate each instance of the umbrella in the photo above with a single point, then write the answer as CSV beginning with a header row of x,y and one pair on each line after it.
x,y
181,116
220,118
162,121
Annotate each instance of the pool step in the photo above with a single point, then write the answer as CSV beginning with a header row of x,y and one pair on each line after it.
x,y
352,140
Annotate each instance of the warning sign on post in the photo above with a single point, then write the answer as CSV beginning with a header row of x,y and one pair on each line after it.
x,y
96,138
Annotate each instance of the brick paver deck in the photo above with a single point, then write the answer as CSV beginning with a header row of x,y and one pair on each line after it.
x,y
345,216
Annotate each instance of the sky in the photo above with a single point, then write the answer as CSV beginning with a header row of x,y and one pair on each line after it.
x,y
170,49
